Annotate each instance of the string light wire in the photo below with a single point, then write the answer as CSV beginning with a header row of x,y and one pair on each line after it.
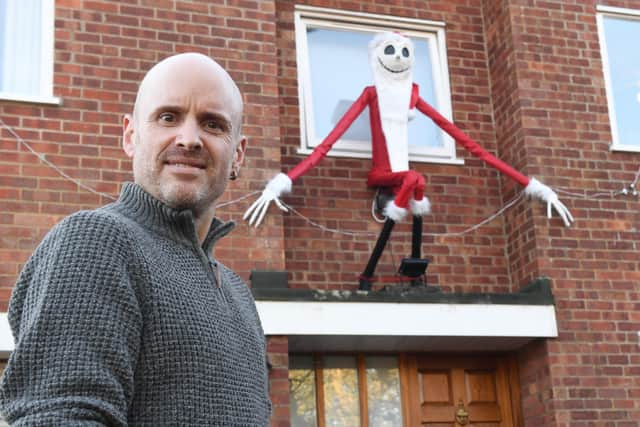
x,y
44,160
487,220
80,184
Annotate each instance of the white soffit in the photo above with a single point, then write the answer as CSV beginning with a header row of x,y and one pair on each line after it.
x,y
392,326
6,339
400,326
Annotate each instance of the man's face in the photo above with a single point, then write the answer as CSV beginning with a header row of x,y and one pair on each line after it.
x,y
184,137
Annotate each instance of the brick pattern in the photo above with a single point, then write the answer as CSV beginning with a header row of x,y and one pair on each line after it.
x,y
102,49
334,193
278,358
548,85
507,113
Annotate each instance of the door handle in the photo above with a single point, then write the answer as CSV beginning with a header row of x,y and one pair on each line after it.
x,y
462,416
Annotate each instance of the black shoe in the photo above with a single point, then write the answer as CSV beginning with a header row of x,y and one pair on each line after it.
x,y
365,284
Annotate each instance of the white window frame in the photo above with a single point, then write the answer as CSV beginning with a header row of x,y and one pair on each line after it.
x,y
45,95
431,31
616,12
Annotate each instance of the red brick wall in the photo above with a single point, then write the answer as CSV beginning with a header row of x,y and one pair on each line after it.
x,y
551,114
334,193
278,348
102,50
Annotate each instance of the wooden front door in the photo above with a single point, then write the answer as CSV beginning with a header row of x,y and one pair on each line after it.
x,y
452,391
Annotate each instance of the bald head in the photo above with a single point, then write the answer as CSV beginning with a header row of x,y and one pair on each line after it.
x,y
189,69
184,137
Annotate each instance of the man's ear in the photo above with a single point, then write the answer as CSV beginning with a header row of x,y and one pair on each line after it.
x,y
128,140
238,155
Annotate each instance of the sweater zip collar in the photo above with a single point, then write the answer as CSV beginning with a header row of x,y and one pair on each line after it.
x,y
178,225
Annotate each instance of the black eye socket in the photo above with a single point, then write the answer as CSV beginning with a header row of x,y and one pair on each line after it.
x,y
389,50
405,52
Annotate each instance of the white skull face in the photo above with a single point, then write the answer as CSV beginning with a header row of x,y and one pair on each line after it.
x,y
395,55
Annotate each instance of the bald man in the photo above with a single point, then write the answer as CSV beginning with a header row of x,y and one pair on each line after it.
x,y
121,316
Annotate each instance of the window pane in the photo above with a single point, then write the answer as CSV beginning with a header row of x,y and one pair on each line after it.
x,y
3,30
21,40
302,391
341,402
383,391
625,78
339,68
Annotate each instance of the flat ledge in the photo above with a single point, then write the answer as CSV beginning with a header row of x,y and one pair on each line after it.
x,y
30,99
537,292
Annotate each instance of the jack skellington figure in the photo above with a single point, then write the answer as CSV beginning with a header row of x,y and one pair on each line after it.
x,y
392,101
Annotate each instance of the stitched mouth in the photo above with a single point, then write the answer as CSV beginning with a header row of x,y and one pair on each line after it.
x,y
391,70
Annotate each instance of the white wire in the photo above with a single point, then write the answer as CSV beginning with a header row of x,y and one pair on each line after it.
x,y
483,222
369,233
330,230
635,180
80,184
318,225
44,160
594,196
231,202
590,196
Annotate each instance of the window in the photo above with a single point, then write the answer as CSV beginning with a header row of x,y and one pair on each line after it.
x,y
341,390
26,50
333,69
616,27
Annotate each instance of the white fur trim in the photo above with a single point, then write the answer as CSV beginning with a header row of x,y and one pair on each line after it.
x,y
279,184
540,191
394,212
420,207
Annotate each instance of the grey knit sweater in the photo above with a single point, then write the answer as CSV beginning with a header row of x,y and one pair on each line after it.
x,y
121,318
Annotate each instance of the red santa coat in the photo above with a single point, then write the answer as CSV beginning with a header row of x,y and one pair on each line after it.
x,y
404,184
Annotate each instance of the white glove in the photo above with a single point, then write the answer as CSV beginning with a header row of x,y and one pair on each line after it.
x,y
546,194
279,184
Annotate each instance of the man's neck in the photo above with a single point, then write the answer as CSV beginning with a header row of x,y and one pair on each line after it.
x,y
203,223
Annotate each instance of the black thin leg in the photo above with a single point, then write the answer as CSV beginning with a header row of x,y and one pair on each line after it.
x,y
365,283
416,239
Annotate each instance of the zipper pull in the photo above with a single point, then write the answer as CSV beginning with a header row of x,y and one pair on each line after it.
x,y
216,273
218,279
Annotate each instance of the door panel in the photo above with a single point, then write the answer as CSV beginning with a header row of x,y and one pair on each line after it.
x,y
436,397
480,386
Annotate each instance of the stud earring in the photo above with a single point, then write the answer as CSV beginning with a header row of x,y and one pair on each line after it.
x,y
234,175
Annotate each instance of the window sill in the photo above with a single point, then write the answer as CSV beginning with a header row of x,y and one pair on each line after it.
x,y
367,155
625,148
30,99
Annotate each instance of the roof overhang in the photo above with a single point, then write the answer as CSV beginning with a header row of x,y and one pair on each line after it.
x,y
345,321
6,339
354,321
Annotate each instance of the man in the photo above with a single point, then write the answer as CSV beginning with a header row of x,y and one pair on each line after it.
x,y
121,316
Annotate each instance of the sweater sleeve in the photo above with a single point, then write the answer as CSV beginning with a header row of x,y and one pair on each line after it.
x,y
76,322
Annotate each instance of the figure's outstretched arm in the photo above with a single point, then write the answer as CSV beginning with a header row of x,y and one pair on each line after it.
x,y
281,183
533,187
469,144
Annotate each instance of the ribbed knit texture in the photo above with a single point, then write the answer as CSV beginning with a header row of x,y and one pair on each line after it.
x,y
119,320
